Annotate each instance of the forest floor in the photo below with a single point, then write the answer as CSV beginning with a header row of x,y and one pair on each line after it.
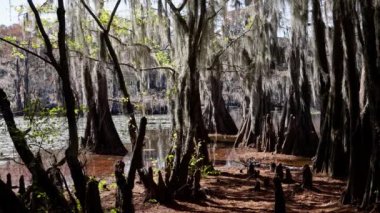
x,y
232,191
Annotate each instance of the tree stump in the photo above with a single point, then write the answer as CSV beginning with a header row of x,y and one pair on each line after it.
x,y
250,169
9,201
21,188
279,172
257,186
151,188
183,193
197,194
93,203
258,143
266,182
9,181
55,176
269,138
123,200
288,176
307,177
163,194
272,167
279,205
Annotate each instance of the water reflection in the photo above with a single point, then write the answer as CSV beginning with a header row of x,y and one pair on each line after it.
x,y
154,152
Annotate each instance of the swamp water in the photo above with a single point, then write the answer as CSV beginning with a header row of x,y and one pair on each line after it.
x,y
155,150
157,145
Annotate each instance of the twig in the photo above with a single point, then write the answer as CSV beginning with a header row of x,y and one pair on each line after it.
x,y
112,15
93,16
49,46
220,53
215,14
26,50
178,15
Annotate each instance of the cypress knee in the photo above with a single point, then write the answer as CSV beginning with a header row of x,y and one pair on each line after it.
x,y
288,176
279,205
9,181
21,188
307,177
93,204
279,172
257,186
272,167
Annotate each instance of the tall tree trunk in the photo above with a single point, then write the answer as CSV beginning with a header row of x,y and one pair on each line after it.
x,y
115,107
92,120
108,141
124,201
26,79
17,84
62,68
357,191
259,106
189,92
301,138
357,147
220,120
331,155
321,56
72,151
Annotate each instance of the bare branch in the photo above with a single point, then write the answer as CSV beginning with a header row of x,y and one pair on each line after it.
x,y
125,64
26,50
178,15
113,15
62,36
159,68
180,8
201,23
220,53
215,14
49,46
93,16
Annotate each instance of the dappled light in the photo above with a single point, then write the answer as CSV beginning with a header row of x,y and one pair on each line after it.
x,y
190,106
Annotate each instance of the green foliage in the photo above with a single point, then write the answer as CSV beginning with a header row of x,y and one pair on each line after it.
x,y
163,58
249,23
171,92
152,201
102,185
206,170
124,100
11,39
139,106
20,9
209,171
45,125
46,8
113,186
17,53
79,207
114,210
194,163
104,16
170,158
73,45
41,195
121,26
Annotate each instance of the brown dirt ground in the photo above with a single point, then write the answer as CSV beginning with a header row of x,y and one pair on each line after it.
x,y
233,192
